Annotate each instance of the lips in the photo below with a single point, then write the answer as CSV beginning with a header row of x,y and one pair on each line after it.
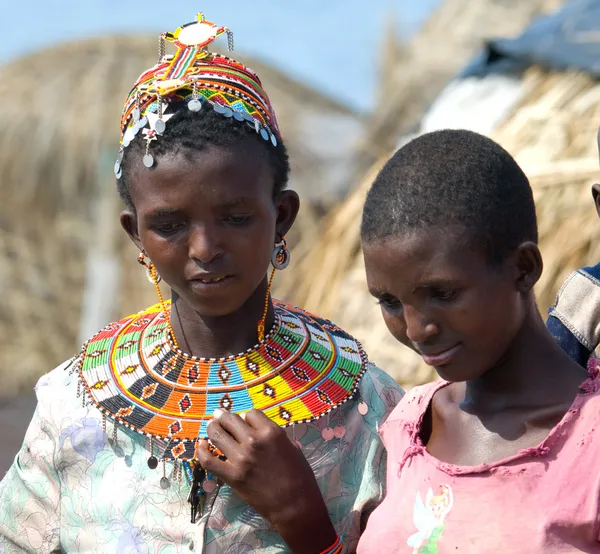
x,y
209,280
442,357
210,283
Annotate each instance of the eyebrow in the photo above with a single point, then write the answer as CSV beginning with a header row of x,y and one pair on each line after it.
x,y
236,202
163,212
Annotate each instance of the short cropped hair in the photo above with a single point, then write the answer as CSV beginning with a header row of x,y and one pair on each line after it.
x,y
453,177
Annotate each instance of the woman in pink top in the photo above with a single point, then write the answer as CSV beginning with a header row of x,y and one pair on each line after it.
x,y
500,455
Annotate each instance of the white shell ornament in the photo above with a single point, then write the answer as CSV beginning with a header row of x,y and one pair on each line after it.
x,y
148,160
160,127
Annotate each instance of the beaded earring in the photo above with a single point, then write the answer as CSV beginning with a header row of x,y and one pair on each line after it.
x,y
280,259
155,279
281,255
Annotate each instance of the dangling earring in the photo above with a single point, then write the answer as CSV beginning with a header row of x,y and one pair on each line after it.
x,y
151,272
280,259
155,279
281,255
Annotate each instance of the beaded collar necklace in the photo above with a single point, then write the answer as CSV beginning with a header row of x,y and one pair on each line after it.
x,y
134,374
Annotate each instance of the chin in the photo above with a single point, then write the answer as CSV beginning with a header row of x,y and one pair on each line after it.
x,y
456,372
220,307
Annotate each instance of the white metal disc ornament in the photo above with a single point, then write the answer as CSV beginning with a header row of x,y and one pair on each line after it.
x,y
280,258
160,126
194,105
148,160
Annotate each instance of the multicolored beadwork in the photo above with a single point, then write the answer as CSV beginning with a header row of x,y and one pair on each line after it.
x,y
198,78
133,373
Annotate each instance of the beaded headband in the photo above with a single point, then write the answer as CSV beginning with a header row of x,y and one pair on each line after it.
x,y
201,80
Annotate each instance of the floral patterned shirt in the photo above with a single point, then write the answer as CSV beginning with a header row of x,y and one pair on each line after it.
x,y
72,488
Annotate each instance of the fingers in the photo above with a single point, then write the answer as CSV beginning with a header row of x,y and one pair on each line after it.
x,y
221,438
211,463
233,424
258,420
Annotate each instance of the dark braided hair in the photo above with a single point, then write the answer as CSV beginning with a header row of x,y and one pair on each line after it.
x,y
194,131
453,177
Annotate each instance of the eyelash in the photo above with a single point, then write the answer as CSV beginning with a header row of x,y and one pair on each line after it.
x,y
168,229
444,295
388,303
238,220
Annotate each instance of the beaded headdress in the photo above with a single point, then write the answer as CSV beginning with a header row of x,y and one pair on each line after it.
x,y
200,79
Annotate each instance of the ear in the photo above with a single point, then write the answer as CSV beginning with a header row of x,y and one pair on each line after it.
x,y
129,223
529,266
287,204
596,196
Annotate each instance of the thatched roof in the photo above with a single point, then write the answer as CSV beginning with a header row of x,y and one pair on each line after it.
x,y
551,132
412,76
69,123
57,149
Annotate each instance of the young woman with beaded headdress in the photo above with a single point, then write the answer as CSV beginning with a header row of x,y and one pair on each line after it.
x,y
221,373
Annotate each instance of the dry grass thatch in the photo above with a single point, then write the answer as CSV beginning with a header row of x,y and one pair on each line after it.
x,y
552,133
412,76
57,150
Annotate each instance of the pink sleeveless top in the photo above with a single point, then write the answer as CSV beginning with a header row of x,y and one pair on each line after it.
x,y
541,500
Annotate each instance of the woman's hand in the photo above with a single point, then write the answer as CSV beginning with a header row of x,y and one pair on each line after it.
x,y
272,475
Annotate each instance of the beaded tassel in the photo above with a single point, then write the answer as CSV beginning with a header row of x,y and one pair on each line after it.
x,y
167,313
152,460
263,319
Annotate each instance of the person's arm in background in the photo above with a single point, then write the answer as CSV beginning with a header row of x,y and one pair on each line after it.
x,y
574,319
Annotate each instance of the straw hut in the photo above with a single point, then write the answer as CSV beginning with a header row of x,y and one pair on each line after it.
x,y
539,96
65,266
412,75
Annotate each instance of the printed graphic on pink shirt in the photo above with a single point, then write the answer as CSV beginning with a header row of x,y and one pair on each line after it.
x,y
429,519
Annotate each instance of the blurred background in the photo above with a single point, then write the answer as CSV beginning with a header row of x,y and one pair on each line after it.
x,y
350,82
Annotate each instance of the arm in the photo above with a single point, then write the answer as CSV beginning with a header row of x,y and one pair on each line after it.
x,y
568,341
575,315
30,494
271,474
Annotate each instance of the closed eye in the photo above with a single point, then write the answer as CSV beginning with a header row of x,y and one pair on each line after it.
x,y
444,295
389,302
167,229
238,219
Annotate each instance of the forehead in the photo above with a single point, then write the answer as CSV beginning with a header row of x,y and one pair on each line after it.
x,y
422,257
207,177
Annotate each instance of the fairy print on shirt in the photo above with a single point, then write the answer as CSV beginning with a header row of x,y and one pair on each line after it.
x,y
429,519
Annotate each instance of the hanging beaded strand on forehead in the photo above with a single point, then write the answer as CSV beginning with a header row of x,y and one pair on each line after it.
x,y
196,77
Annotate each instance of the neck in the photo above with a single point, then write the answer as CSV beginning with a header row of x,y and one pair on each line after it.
x,y
219,337
534,371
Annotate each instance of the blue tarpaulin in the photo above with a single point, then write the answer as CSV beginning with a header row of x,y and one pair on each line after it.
x,y
566,39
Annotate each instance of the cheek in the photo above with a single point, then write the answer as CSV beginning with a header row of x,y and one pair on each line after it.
x,y
497,320
396,327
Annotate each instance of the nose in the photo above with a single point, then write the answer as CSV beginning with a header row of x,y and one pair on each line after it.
x,y
419,327
204,244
